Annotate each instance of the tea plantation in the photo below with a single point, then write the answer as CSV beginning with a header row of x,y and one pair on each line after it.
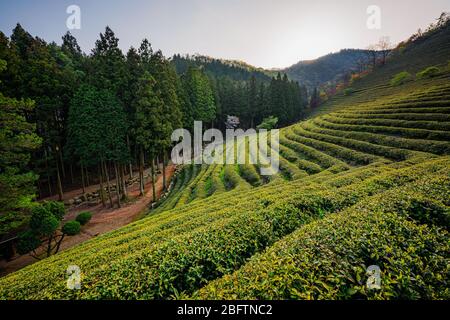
x,y
364,181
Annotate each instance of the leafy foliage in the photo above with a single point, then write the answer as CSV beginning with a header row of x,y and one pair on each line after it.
x,y
84,217
71,228
365,183
428,73
44,223
18,139
268,123
400,78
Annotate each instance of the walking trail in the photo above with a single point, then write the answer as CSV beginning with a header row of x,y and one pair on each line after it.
x,y
103,219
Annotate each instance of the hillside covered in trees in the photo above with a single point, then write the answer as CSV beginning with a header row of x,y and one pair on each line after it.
x,y
331,68
247,92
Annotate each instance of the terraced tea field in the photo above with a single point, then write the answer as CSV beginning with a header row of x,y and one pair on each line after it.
x,y
364,181
394,128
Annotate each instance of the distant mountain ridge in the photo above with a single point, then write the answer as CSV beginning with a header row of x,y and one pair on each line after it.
x,y
311,73
233,69
329,68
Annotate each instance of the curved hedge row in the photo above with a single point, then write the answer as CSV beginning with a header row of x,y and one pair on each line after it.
x,y
429,125
304,165
328,259
308,148
391,110
351,151
441,119
161,256
410,133
436,147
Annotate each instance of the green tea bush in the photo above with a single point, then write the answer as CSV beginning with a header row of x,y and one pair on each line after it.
x,y
179,251
349,91
327,259
71,228
428,73
411,133
380,140
408,121
249,173
84,217
345,150
401,78
309,150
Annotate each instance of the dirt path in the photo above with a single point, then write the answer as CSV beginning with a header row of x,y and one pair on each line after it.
x,y
103,219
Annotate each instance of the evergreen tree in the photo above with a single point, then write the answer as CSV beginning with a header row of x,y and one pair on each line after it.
x,y
148,122
134,71
47,79
18,140
170,115
107,68
315,99
252,103
200,95
97,130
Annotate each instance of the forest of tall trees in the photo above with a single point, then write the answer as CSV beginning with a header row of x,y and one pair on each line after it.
x,y
70,118
247,92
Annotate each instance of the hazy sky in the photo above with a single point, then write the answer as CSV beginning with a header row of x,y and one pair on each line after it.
x,y
265,33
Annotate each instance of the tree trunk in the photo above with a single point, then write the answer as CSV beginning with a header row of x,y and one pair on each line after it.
x,y
87,177
130,165
122,179
39,189
49,246
131,170
164,171
49,184
108,186
152,160
83,183
58,182
100,175
49,181
141,172
63,170
59,243
118,187
71,174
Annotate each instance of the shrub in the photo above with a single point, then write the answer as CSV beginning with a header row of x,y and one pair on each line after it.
x,y
400,78
328,258
427,73
317,262
43,222
349,91
268,123
56,208
84,217
71,228
248,172
43,228
229,177
27,241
